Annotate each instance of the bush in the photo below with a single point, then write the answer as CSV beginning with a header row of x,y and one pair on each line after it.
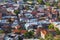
x,y
49,37
1,31
57,31
51,26
29,34
47,3
16,11
40,1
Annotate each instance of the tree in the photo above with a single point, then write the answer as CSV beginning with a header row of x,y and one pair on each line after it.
x,y
17,12
25,0
51,26
20,38
57,31
15,1
40,1
41,39
49,37
29,34
47,3
55,4
1,31
57,39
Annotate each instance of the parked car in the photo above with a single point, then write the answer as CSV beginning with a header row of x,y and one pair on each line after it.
x,y
3,21
33,20
24,20
9,17
9,37
12,36
29,24
28,15
15,23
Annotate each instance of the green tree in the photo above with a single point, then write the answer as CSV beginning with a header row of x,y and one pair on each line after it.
x,y
51,26
40,1
25,0
41,39
1,31
29,34
47,3
17,12
55,4
57,31
57,39
49,37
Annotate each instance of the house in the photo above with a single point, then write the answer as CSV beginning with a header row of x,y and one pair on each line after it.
x,y
23,31
19,31
38,32
17,27
44,33
34,12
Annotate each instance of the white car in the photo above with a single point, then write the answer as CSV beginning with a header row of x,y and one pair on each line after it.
x,y
29,24
28,15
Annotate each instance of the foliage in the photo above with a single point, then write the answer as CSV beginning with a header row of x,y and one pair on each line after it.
x,y
40,1
49,37
47,3
51,26
15,1
57,39
57,31
29,34
55,4
25,0
16,11
20,38
1,31
27,8
41,39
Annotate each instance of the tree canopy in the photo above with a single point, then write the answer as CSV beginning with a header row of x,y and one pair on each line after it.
x,y
40,1
16,11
